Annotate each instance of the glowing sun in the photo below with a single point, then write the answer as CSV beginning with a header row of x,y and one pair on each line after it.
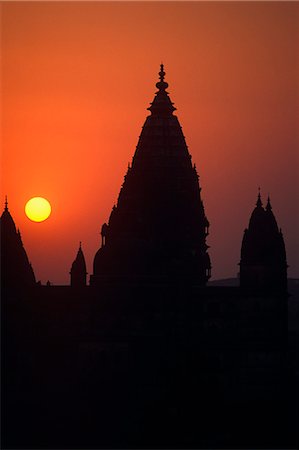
x,y
38,209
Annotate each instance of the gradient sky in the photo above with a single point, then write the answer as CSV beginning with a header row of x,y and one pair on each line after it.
x,y
77,78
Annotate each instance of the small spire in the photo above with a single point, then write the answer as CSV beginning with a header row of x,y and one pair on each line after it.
x,y
6,204
80,248
259,201
268,207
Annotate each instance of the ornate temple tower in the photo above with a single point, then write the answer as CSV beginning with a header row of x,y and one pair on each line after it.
x,y
16,271
263,257
78,270
158,229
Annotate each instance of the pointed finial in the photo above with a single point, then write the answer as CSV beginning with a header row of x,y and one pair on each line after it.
x,y
259,201
162,85
80,245
6,204
162,73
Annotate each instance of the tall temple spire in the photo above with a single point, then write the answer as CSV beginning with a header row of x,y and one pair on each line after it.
x,y
158,228
16,271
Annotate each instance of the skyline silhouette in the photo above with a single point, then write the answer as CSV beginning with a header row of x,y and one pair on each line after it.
x,y
158,225
158,305
148,354
71,121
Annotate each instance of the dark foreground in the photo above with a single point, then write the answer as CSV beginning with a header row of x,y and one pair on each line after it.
x,y
147,367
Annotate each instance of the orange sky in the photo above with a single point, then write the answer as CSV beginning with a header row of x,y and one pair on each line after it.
x,y
77,78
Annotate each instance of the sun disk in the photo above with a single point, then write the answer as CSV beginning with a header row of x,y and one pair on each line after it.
x,y
38,209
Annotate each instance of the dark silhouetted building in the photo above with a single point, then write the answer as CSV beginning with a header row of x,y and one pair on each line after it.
x,y
148,355
16,271
263,263
78,270
158,229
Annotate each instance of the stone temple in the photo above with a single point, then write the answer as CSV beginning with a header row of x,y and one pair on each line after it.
x,y
150,354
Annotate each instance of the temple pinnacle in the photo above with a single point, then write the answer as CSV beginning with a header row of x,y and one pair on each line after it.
x,y
162,85
162,73
259,201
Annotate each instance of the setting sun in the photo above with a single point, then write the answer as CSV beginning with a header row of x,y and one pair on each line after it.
x,y
73,107
38,209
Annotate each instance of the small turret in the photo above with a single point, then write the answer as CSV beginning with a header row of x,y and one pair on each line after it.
x,y
78,270
263,257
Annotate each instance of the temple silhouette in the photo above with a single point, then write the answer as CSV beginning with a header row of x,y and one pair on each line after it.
x,y
263,257
158,228
15,267
148,354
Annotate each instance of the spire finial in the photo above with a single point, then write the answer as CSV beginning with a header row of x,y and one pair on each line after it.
x,y
162,105
80,245
162,73
259,201
162,85
6,203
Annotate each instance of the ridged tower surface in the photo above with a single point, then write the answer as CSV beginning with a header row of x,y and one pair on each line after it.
x,y
158,227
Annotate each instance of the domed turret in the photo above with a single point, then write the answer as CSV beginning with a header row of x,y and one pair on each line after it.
x,y
16,271
263,257
158,228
